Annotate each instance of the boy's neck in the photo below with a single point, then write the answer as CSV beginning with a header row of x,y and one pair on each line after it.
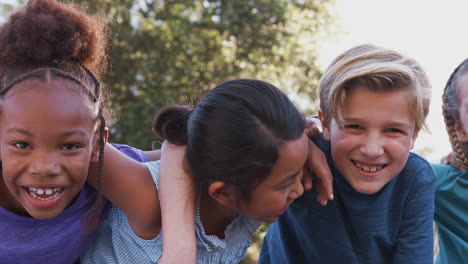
x,y
214,216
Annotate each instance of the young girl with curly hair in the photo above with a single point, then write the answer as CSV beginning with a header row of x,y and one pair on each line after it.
x,y
52,127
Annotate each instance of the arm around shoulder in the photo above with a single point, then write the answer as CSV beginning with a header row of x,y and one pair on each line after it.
x,y
129,186
177,196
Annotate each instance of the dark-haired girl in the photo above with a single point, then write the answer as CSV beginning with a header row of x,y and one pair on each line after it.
x,y
245,146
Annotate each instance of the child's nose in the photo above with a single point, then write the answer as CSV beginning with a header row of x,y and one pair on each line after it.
x,y
298,189
372,147
45,164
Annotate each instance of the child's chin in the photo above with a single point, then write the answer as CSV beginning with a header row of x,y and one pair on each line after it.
x,y
270,220
367,188
43,215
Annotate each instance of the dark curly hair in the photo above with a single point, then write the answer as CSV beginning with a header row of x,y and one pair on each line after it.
x,y
51,40
234,133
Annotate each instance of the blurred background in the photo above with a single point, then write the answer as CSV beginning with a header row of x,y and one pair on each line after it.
x,y
173,51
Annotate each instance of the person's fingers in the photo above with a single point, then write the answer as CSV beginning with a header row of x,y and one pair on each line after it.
x,y
444,160
312,128
318,164
306,179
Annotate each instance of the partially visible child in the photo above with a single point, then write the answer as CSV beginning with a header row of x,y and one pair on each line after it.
x,y
451,213
373,103
246,150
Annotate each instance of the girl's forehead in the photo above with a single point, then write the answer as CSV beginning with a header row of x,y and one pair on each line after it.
x,y
37,85
44,100
52,91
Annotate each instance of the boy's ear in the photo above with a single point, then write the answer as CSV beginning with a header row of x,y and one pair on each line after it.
x,y
222,193
414,139
95,153
325,129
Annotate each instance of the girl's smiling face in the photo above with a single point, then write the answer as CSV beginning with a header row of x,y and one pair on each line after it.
x,y
47,138
283,185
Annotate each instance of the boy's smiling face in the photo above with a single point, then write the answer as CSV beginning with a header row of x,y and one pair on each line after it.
x,y
373,145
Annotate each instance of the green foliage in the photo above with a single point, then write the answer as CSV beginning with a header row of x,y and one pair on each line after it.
x,y
174,51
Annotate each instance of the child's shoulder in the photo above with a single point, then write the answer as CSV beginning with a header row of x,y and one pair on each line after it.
x,y
446,174
444,169
418,170
132,152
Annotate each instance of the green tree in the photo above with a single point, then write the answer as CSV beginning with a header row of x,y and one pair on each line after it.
x,y
174,51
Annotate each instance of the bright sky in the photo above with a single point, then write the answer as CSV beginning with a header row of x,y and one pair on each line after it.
x,y
432,32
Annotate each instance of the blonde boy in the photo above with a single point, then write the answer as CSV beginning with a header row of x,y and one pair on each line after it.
x,y
373,104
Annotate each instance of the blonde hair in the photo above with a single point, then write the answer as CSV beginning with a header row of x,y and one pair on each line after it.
x,y
451,112
378,69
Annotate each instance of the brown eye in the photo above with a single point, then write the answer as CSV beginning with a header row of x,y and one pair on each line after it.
x,y
69,147
393,130
353,126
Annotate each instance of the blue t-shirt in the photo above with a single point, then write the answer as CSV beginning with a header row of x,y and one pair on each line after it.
x,y
393,225
451,214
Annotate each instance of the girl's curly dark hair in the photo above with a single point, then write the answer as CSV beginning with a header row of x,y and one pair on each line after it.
x,y
45,31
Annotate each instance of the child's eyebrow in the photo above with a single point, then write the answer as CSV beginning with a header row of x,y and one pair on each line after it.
x,y
289,178
18,130
392,124
26,132
398,124
74,132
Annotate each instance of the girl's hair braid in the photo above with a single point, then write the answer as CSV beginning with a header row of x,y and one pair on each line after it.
x,y
102,127
450,110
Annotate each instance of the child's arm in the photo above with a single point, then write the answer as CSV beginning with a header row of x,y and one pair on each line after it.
x,y
317,162
129,186
414,243
451,160
178,207
153,155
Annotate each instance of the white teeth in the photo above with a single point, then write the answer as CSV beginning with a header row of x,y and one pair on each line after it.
x,y
367,168
44,193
